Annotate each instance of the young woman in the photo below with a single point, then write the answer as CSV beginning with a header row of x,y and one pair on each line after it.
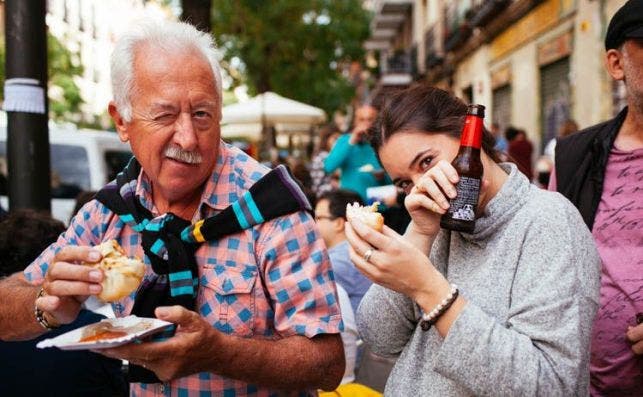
x,y
527,277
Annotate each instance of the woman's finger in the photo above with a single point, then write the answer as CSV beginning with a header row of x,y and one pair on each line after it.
x,y
427,184
369,235
368,268
354,240
420,200
444,183
448,170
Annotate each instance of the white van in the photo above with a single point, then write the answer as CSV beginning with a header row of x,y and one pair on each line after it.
x,y
81,160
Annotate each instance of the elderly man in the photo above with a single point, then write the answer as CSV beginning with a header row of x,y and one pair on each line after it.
x,y
233,258
600,170
354,157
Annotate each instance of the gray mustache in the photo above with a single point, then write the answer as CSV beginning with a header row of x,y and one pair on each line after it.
x,y
185,156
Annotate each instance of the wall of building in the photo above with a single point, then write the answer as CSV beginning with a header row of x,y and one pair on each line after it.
x,y
560,31
90,28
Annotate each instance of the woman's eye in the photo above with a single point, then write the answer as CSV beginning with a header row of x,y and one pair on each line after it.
x,y
405,186
425,163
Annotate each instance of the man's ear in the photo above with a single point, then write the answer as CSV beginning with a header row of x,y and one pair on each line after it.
x,y
340,224
119,121
614,63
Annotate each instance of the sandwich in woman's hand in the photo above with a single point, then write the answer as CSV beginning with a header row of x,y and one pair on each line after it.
x,y
367,215
122,275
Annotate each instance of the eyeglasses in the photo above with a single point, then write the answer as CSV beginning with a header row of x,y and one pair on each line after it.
x,y
320,217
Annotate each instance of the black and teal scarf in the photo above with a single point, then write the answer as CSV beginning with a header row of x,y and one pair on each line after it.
x,y
170,242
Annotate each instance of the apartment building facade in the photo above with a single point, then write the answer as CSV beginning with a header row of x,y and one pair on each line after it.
x,y
533,63
89,28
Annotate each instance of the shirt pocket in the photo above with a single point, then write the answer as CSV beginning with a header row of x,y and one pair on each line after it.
x,y
230,298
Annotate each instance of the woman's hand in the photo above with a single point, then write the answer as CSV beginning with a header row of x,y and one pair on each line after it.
x,y
429,198
393,262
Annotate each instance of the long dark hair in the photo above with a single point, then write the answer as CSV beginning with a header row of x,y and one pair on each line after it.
x,y
424,108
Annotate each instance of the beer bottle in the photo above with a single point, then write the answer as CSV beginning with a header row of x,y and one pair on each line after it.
x,y
461,213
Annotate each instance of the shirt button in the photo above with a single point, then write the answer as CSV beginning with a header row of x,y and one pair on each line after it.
x,y
162,389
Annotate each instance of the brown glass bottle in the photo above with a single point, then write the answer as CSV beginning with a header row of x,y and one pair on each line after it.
x,y
461,213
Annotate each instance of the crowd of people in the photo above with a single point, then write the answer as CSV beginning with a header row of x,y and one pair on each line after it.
x,y
275,291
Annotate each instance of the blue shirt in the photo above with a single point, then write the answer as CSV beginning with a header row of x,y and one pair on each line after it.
x,y
356,164
347,275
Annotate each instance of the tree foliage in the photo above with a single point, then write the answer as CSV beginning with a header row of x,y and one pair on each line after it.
x,y
293,47
65,98
61,69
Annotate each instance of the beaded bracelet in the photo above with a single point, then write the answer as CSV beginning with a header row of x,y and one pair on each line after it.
x,y
40,315
428,319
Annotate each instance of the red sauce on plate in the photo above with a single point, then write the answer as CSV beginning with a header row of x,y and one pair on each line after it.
x,y
103,335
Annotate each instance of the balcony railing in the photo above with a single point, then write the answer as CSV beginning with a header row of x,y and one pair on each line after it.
x,y
400,62
486,11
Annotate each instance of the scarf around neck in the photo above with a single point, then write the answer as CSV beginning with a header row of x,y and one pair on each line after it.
x,y
170,242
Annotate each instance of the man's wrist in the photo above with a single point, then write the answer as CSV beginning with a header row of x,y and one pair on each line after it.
x,y
221,344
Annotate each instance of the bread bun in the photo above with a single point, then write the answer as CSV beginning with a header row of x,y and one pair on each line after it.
x,y
367,215
122,275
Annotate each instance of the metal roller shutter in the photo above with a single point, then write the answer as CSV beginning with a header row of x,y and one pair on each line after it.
x,y
555,104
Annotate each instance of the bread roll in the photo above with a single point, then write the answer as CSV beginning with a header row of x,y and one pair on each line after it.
x,y
367,215
122,275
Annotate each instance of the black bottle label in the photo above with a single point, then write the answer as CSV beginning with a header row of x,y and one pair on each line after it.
x,y
463,206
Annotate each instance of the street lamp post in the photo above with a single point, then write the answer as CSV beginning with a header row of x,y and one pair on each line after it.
x,y
26,105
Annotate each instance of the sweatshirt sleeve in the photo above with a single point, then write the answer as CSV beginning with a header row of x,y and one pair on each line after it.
x,y
338,154
386,320
542,349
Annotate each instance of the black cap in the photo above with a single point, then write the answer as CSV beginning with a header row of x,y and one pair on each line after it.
x,y
627,23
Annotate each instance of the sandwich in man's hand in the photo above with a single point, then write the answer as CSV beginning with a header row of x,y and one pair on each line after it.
x,y
122,275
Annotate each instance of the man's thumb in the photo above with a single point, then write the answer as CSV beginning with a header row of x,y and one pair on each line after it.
x,y
174,314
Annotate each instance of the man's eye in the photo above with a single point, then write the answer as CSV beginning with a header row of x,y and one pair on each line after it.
x,y
164,117
201,114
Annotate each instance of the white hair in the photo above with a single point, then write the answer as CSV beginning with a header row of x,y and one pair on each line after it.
x,y
165,36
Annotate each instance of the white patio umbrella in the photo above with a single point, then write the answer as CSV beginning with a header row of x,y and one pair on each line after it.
x,y
270,109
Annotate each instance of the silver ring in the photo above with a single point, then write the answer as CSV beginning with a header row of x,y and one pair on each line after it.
x,y
368,254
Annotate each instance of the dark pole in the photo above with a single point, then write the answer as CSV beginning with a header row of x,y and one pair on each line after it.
x,y
26,105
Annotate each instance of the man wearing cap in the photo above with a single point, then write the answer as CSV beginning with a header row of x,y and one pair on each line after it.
x,y
600,170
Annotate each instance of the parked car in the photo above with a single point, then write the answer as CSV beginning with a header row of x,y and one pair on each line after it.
x,y
81,160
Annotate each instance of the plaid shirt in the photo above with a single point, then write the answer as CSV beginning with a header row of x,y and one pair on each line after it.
x,y
269,282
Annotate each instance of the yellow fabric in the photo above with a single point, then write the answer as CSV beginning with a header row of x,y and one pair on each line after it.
x,y
351,390
197,231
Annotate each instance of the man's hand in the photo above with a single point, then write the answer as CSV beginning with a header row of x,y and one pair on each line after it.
x,y
191,350
359,133
635,337
67,285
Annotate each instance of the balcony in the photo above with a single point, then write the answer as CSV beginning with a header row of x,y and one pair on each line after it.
x,y
398,70
487,11
389,16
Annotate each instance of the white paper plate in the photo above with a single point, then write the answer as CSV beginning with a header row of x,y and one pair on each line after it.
x,y
70,340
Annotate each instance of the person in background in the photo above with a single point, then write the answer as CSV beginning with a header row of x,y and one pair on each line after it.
x,y
330,214
600,170
321,181
520,150
233,257
567,128
23,235
354,158
502,146
473,313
